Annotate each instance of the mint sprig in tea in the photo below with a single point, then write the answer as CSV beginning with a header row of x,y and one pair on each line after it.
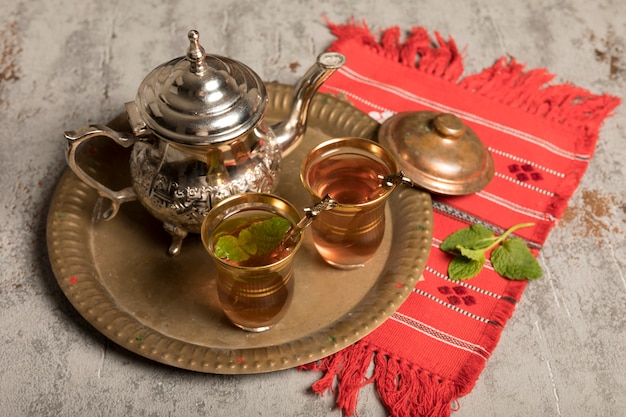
x,y
252,240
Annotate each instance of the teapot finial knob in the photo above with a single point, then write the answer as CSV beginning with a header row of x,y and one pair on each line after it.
x,y
195,53
448,125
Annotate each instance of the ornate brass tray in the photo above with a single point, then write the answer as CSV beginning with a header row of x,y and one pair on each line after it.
x,y
119,276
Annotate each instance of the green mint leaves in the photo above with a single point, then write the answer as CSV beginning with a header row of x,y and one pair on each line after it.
x,y
510,257
259,238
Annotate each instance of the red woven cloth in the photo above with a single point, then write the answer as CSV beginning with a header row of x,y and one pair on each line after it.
x,y
542,137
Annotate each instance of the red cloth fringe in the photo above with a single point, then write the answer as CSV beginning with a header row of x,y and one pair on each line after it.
x,y
403,388
418,50
506,81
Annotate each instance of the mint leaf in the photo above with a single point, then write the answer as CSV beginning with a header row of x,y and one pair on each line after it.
x,y
246,241
259,238
269,233
515,261
464,268
475,237
227,247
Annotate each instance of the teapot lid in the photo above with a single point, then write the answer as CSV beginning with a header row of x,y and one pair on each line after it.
x,y
201,99
438,152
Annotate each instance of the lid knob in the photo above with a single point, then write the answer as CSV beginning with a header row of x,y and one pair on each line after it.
x,y
195,53
449,125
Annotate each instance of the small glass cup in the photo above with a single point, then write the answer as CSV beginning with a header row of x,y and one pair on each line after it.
x,y
349,170
254,293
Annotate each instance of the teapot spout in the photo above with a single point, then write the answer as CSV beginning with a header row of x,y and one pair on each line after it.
x,y
289,131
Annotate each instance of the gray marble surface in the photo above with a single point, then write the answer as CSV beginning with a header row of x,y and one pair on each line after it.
x,y
66,63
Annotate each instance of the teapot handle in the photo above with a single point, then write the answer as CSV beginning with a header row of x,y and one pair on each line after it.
x,y
74,140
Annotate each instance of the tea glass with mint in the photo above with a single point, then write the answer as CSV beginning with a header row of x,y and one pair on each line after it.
x,y
349,170
245,236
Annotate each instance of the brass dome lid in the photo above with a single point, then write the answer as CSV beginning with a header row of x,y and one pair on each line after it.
x,y
201,99
438,152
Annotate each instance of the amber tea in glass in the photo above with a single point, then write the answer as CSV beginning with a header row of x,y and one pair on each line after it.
x,y
254,267
348,170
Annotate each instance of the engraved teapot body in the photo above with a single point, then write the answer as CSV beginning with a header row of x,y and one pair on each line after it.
x,y
199,137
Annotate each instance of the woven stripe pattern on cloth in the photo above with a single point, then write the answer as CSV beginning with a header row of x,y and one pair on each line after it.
x,y
541,136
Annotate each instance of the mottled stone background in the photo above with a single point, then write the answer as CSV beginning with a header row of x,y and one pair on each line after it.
x,y
65,63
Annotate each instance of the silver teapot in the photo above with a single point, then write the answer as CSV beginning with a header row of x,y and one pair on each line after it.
x,y
199,137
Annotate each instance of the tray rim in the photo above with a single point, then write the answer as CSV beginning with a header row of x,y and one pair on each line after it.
x,y
80,284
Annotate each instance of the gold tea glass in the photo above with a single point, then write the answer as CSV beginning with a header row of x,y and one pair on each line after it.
x,y
254,293
349,170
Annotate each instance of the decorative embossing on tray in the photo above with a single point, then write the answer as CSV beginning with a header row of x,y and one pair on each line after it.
x,y
119,276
